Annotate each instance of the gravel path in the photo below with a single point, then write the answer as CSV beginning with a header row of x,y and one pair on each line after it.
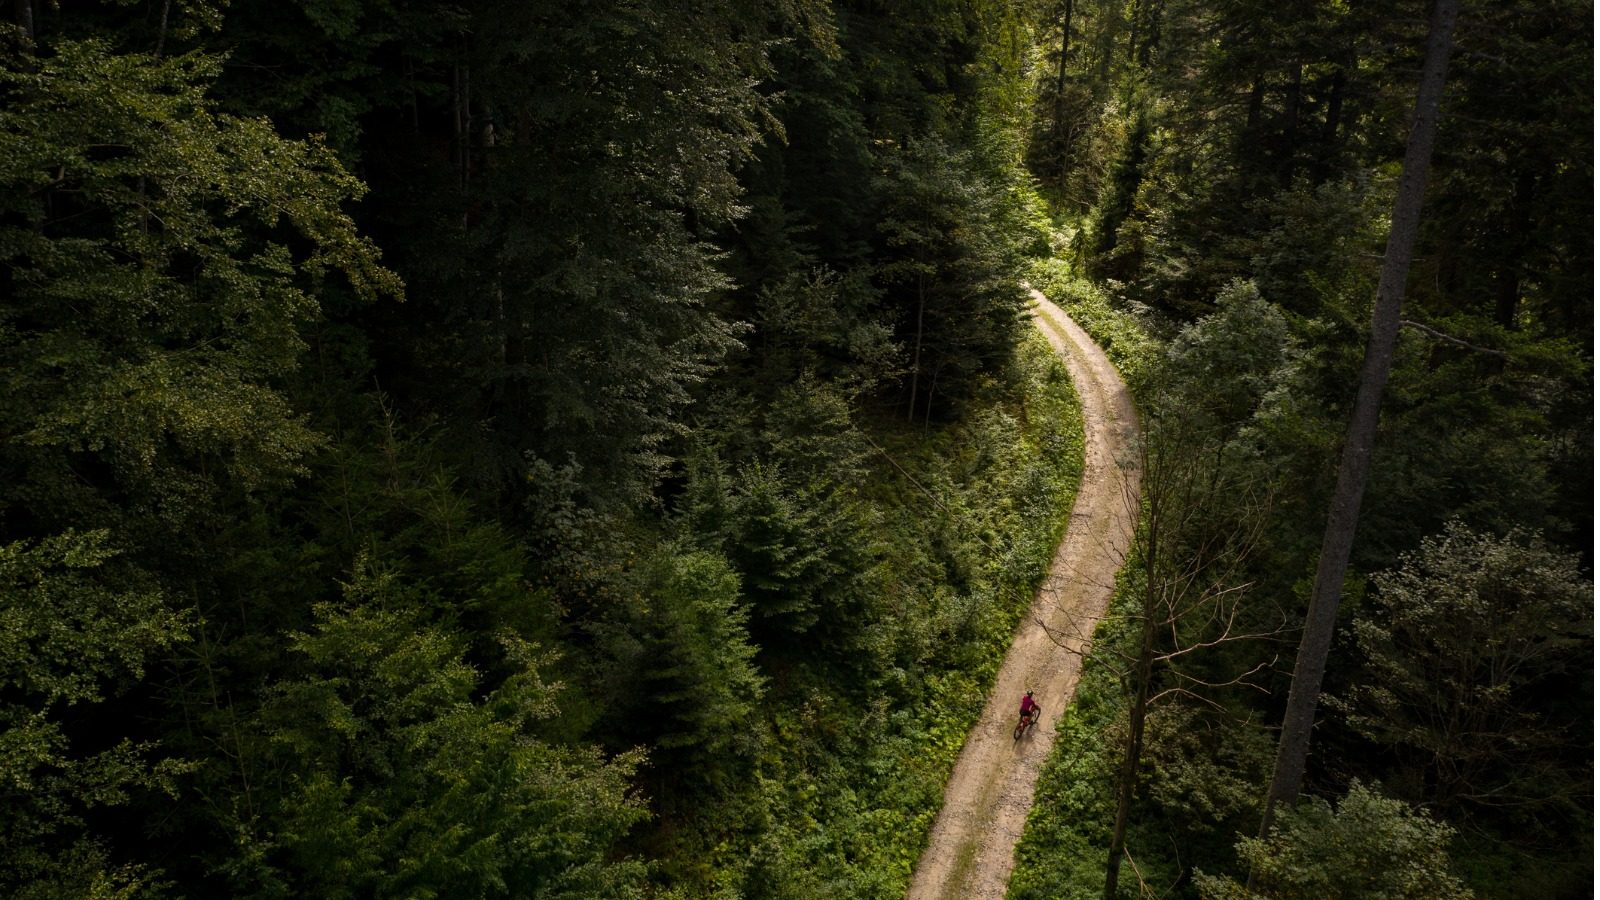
x,y
969,855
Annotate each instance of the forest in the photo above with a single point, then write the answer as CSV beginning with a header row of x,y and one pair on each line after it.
x,y
600,449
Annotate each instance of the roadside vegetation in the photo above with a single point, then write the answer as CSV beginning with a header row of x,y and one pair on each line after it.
x,y
1220,180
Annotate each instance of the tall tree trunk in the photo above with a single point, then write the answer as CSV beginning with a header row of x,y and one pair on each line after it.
x,y
1253,149
1508,289
1295,740
1258,94
1059,126
1061,64
1135,13
1290,146
1105,45
1328,142
24,10
461,109
916,353
161,34
1330,122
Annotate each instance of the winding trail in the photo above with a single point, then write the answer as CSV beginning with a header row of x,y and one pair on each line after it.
x,y
969,855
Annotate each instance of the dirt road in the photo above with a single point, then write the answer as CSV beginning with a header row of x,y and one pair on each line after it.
x,y
969,855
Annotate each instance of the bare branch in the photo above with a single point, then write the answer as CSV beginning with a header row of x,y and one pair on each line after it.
x,y
1186,693
1451,340
1240,679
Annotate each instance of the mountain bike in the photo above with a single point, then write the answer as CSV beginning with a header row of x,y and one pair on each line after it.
x,y
1025,721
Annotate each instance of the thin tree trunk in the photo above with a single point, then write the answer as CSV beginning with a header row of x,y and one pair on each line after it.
x,y
1126,781
1330,122
1060,127
916,355
1128,774
461,111
1508,293
416,112
466,126
456,124
1106,45
24,10
161,44
1328,145
1295,739
1061,64
1291,126
1258,94
161,35
1134,15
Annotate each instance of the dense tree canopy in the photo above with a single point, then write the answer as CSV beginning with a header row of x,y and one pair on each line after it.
x,y
435,436
595,449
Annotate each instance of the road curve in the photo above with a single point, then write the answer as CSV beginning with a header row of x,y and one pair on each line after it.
x,y
969,854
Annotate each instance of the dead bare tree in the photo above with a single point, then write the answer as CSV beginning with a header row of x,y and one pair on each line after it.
x,y
1187,591
1199,526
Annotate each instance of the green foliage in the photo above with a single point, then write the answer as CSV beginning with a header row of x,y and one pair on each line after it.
x,y
699,680
853,754
1216,372
1271,139
569,297
337,62
1369,847
640,241
792,520
1507,242
77,628
1316,238
821,326
806,556
1206,771
160,261
1126,340
398,770
1464,647
665,266
154,289
69,633
951,268
1116,252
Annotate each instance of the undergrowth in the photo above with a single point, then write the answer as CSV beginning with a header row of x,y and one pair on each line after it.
x,y
1126,341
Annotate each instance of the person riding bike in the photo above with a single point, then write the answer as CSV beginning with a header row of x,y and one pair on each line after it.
x,y
1030,708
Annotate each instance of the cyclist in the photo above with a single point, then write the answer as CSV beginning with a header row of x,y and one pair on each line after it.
x,y
1030,708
